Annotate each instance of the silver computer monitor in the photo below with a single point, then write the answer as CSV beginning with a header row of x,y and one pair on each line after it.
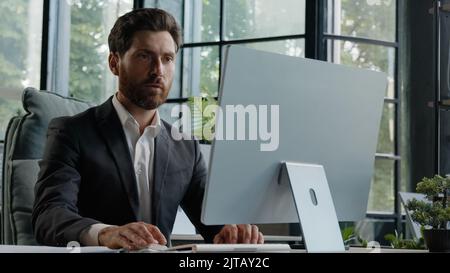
x,y
328,114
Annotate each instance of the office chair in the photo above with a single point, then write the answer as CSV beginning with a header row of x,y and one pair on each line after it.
x,y
24,146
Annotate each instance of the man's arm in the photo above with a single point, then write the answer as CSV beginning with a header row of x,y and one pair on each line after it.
x,y
89,236
55,217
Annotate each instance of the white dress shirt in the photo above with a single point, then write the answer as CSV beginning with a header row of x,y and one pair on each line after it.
x,y
142,149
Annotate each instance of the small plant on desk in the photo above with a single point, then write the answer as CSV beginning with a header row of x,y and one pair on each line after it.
x,y
351,238
399,242
433,215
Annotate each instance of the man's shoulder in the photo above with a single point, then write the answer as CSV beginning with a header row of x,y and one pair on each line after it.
x,y
81,119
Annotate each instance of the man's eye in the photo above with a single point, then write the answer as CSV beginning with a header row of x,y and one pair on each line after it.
x,y
143,56
169,59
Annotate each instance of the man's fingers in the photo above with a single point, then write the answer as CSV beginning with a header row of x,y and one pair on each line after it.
x,y
135,239
240,234
157,234
244,232
143,232
260,238
132,236
122,242
247,234
218,239
255,234
232,234
229,234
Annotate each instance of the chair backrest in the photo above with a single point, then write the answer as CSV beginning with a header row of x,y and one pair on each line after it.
x,y
24,146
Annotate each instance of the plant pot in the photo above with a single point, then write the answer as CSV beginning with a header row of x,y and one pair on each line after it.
x,y
437,240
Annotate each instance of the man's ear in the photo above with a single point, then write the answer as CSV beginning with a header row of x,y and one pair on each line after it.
x,y
113,60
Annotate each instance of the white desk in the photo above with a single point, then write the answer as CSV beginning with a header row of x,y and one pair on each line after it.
x,y
48,249
45,249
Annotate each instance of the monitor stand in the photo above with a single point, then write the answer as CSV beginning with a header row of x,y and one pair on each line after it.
x,y
314,206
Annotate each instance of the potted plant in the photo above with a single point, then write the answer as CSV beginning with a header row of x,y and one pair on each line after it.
x,y
433,215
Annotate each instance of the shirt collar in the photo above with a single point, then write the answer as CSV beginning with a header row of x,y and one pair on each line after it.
x,y
125,116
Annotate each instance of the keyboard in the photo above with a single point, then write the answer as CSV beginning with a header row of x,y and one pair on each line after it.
x,y
232,248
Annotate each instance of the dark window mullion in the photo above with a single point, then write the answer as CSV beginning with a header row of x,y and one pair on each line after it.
x,y
181,100
246,41
360,40
182,53
382,216
177,100
437,85
397,126
321,22
44,49
138,4
314,29
221,38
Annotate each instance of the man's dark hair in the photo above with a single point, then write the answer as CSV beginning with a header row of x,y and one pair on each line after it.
x,y
120,38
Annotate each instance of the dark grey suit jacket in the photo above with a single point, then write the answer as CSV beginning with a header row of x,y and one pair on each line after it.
x,y
87,177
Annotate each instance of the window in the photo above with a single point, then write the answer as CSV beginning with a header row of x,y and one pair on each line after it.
x,y
81,34
209,25
255,19
20,54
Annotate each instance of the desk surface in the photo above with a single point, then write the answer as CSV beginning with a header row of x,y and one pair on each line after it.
x,y
178,239
45,249
49,249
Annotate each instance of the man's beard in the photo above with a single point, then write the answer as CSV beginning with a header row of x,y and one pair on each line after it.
x,y
140,96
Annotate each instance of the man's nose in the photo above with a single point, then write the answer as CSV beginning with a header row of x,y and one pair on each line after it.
x,y
157,67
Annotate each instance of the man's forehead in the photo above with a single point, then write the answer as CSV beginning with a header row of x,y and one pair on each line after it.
x,y
146,39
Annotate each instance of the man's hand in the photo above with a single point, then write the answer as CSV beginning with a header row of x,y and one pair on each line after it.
x,y
239,234
132,236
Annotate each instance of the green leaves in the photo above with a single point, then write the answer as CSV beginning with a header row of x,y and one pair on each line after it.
x,y
434,213
398,241
88,51
348,234
432,187
429,214
350,237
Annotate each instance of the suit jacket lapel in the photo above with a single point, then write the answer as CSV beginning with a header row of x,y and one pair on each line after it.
x,y
161,161
114,136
